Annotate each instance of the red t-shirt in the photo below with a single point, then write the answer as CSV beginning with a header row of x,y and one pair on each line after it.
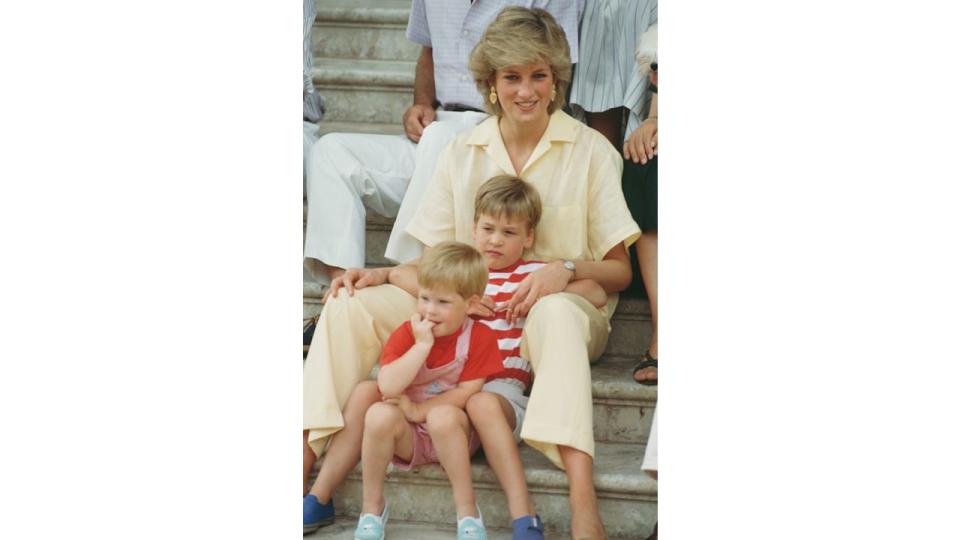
x,y
483,359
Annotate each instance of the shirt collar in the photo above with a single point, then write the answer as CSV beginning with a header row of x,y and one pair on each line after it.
x,y
561,128
486,136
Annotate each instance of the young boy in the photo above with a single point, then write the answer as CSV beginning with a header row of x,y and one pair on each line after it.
x,y
506,212
430,367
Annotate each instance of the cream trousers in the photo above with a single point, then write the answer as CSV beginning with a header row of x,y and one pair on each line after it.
x,y
563,334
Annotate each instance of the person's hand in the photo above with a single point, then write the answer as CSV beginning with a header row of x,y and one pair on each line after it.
x,y
410,409
641,145
357,278
549,279
422,329
483,307
416,119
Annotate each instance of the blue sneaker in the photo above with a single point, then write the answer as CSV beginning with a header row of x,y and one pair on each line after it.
x,y
316,515
370,526
528,528
471,528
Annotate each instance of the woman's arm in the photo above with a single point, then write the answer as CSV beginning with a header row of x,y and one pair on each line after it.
x,y
590,290
405,277
612,273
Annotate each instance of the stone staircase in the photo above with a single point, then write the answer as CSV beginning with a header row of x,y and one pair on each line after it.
x,y
364,68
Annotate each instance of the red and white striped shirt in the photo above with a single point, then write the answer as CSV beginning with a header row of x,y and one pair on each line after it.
x,y
501,285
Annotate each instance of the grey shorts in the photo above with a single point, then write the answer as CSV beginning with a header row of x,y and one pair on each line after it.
x,y
510,390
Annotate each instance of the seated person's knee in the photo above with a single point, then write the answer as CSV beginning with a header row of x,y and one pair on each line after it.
x,y
381,417
444,419
482,406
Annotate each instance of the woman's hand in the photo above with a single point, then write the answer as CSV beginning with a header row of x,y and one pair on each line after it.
x,y
483,307
641,145
409,408
550,279
357,278
422,329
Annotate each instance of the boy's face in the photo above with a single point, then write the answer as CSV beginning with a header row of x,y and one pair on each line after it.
x,y
501,240
444,307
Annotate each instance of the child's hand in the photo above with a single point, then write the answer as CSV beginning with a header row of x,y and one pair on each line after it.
x,y
422,329
409,408
483,307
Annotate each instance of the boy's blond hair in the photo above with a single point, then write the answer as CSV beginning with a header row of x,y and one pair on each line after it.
x,y
454,266
508,196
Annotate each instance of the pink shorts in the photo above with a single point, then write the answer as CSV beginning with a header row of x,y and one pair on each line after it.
x,y
423,451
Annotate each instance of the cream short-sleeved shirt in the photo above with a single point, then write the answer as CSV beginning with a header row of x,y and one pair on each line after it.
x,y
575,170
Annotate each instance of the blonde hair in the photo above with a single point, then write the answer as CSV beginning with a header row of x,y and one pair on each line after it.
x,y
509,196
521,36
454,266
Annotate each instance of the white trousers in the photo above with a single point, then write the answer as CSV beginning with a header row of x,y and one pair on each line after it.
x,y
348,173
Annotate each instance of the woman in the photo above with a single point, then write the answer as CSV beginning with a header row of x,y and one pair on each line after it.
x,y
522,67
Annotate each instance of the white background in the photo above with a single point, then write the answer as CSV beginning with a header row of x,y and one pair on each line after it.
x,y
150,227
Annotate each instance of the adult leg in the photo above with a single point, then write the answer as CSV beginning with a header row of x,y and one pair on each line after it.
x,y
386,433
402,247
346,345
493,418
344,451
584,510
562,334
347,172
647,255
450,431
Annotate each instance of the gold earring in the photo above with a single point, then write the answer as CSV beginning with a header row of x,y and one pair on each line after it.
x,y
493,96
553,94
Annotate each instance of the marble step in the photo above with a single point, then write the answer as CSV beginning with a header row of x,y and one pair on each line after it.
x,y
364,29
627,496
370,91
343,527
394,128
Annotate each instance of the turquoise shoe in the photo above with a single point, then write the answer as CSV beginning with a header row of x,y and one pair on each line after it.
x,y
370,526
471,528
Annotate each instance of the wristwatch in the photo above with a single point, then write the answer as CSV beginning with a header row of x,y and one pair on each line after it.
x,y
570,266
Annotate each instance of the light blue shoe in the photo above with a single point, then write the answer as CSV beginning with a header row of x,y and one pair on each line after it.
x,y
471,528
370,526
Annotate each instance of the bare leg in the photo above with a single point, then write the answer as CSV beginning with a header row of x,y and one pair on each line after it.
x,y
647,255
386,433
449,430
609,123
584,511
309,458
494,420
343,454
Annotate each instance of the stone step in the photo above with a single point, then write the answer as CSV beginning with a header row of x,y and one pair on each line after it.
x,y
370,91
343,527
627,496
324,127
363,29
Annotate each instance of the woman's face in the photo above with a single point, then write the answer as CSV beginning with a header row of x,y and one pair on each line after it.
x,y
524,92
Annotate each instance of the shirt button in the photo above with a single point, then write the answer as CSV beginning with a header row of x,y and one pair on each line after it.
x,y
466,33
463,77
